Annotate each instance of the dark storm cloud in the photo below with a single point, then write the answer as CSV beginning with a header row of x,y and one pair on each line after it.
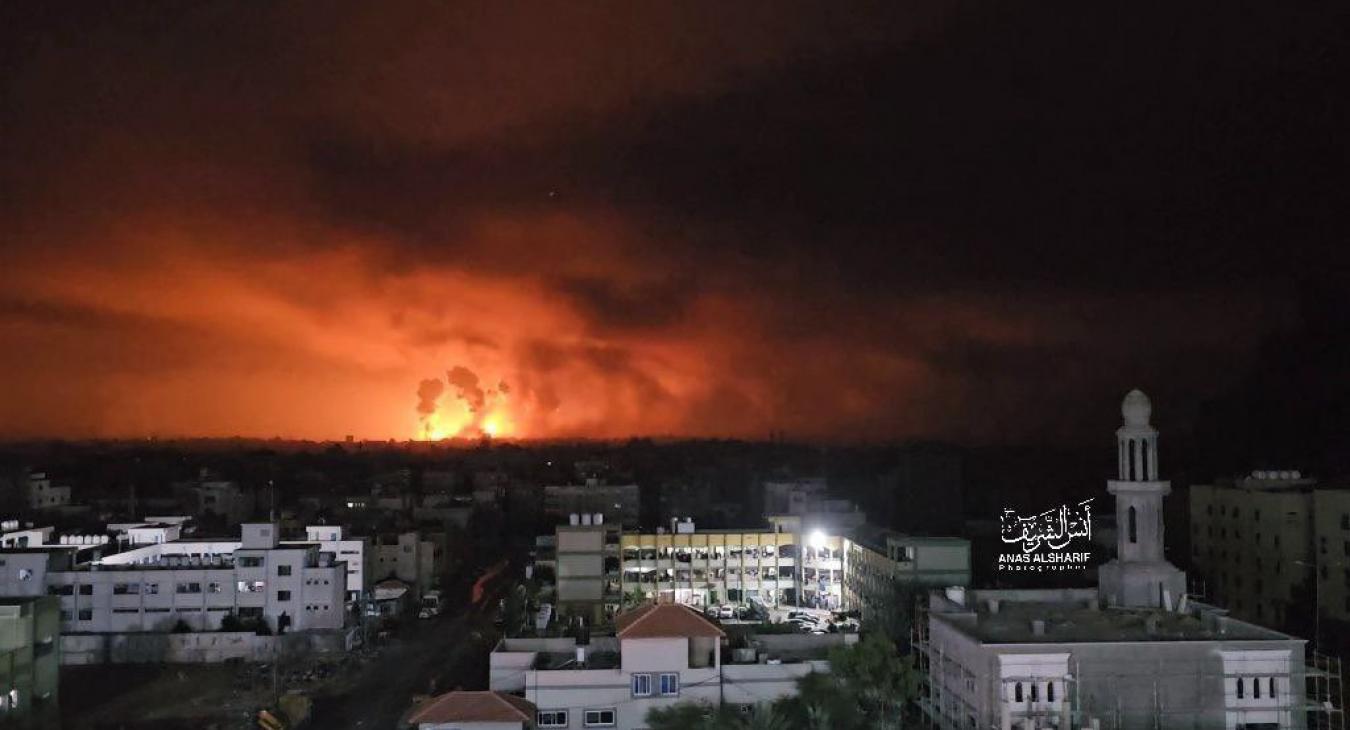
x,y
876,221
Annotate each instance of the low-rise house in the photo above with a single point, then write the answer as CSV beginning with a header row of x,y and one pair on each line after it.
x,y
473,711
658,656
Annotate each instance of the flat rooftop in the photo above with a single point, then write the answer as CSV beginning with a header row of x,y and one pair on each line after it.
x,y
1074,622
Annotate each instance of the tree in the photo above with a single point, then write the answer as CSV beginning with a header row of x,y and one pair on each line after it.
x,y
703,716
883,682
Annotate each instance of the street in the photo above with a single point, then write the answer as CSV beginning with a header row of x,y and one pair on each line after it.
x,y
426,656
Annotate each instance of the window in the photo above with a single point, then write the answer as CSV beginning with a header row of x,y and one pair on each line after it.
x,y
283,570
213,587
126,589
1134,527
1256,688
251,561
64,590
1017,692
283,595
251,586
642,685
250,612
670,685
189,587
1272,693
86,614
87,589
1240,687
552,718
598,718
1035,691
25,573
1049,691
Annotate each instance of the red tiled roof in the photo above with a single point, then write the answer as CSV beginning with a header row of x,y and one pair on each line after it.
x,y
473,707
664,621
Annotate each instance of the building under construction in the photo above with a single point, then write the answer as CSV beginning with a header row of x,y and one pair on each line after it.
x,y
1019,660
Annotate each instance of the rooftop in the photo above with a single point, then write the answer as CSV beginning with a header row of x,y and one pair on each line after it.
x,y
669,620
473,707
1022,617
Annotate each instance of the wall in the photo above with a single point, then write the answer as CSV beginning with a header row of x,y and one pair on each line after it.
x,y
197,648
750,684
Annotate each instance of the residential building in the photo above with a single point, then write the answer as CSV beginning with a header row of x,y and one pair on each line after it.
x,y
1270,540
876,561
410,556
12,535
1134,653
794,496
29,659
461,710
617,502
210,495
354,552
43,494
658,656
292,586
587,568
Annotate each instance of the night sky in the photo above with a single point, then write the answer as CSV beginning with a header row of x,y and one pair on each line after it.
x,y
979,221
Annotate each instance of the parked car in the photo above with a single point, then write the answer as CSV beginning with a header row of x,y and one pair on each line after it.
x,y
726,612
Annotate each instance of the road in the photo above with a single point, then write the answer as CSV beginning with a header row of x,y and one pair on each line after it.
x,y
430,655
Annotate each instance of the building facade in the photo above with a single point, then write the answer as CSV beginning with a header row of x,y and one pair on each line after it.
x,y
289,586
876,562
29,662
1266,542
659,655
617,502
1135,653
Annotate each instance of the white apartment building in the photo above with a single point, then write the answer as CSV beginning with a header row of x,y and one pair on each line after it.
x,y
660,655
297,586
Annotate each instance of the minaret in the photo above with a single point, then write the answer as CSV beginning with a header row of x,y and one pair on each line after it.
x,y
1139,577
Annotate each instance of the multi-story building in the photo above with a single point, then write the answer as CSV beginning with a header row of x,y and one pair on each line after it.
x,y
876,561
771,566
617,502
411,557
659,655
1134,653
43,494
1271,540
223,498
354,552
599,568
29,672
586,568
794,496
293,586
